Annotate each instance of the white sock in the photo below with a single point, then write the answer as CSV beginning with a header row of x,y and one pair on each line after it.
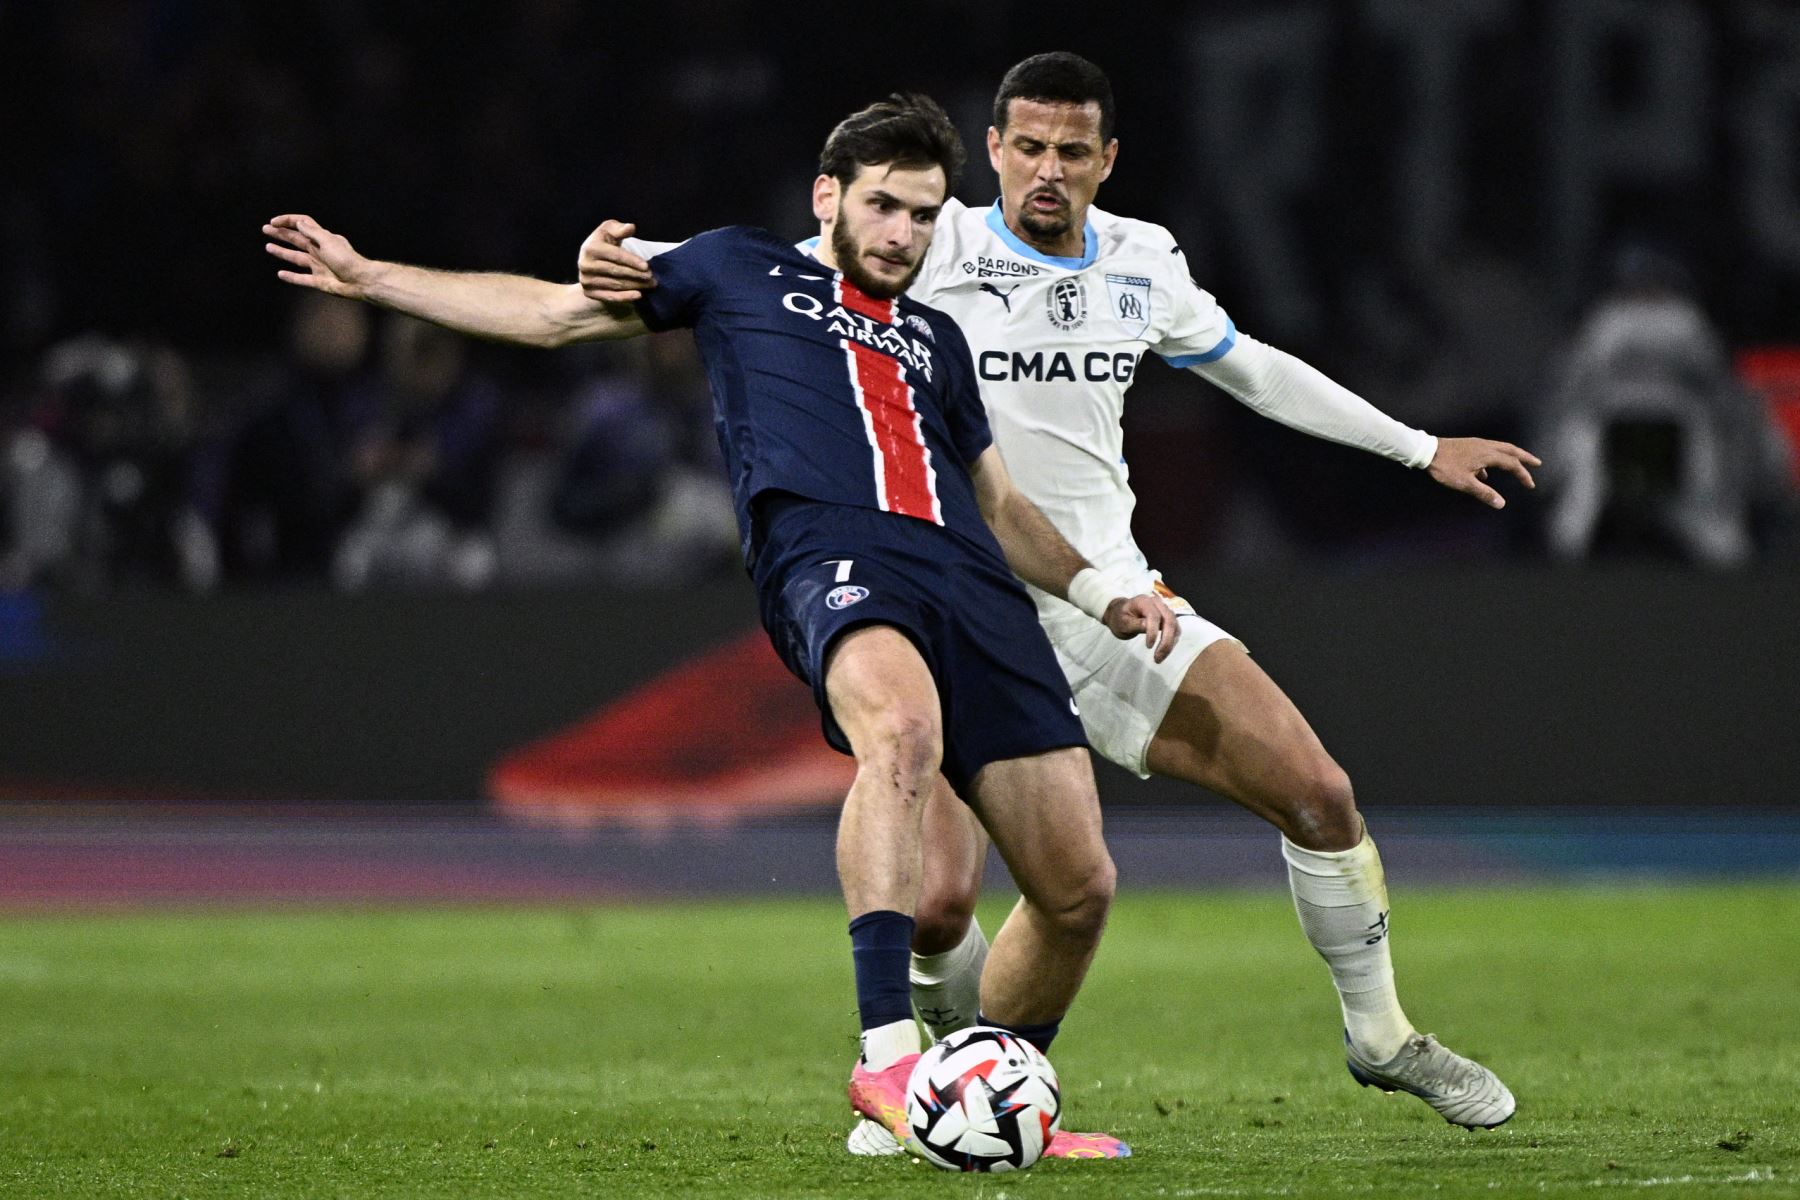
x,y
946,988
1341,896
885,1045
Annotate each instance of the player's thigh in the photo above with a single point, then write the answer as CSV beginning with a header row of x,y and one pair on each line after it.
x,y
1123,690
880,688
1043,812
1230,728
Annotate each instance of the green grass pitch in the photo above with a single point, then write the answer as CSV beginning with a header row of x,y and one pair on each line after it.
x,y
1652,1036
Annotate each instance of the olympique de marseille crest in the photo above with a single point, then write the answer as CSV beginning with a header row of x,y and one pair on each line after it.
x,y
1130,296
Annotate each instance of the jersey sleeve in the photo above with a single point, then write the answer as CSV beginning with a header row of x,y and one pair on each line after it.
x,y
684,279
963,411
1199,332
1300,396
646,249
941,255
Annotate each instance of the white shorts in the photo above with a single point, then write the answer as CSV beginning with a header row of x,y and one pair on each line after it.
x,y
1123,692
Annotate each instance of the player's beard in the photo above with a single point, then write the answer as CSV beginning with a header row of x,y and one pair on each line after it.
x,y
1046,227
849,260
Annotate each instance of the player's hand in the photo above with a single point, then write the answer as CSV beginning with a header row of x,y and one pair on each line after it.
x,y
324,261
1463,464
609,272
1148,615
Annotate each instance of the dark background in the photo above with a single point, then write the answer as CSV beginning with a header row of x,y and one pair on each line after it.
x,y
1422,199
1327,166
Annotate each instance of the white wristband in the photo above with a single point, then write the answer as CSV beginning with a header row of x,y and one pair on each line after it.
x,y
1093,593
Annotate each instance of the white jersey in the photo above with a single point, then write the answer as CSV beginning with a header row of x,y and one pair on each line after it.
x,y
1056,342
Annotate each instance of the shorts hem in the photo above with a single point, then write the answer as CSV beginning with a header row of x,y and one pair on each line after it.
x,y
1148,718
1007,754
828,723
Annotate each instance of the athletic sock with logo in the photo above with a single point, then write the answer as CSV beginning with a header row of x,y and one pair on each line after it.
x,y
1341,897
880,944
946,987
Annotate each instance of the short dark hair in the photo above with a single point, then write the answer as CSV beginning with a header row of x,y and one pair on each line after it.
x,y
1056,78
907,129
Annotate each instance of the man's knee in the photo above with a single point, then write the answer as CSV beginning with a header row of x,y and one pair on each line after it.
x,y
906,742
1324,815
1079,912
942,919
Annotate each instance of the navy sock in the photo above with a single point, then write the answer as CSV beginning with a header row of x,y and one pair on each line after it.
x,y
1038,1035
881,944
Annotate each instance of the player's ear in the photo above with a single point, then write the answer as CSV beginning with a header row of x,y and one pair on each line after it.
x,y
993,141
1107,158
825,198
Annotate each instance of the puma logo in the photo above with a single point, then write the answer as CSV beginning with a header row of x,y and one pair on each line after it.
x,y
1379,929
1005,297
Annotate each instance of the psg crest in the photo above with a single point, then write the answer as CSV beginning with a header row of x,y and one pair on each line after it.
x,y
1130,296
844,597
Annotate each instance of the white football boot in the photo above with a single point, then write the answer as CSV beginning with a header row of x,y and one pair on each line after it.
x,y
870,1139
1461,1090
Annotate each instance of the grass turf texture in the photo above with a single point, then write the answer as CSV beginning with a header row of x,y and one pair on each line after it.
x,y
675,1050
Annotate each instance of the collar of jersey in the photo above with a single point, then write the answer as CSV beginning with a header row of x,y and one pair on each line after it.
x,y
810,248
1090,248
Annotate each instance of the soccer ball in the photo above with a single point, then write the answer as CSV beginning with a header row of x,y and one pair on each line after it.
x,y
983,1100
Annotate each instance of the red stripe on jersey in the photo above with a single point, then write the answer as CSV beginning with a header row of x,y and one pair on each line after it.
x,y
905,482
859,301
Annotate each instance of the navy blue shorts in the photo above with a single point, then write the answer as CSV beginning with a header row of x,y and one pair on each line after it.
x,y
822,570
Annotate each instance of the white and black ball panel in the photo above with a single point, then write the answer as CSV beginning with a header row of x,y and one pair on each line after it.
x,y
984,1100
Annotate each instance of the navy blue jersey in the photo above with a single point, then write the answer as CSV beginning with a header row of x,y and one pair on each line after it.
x,y
821,391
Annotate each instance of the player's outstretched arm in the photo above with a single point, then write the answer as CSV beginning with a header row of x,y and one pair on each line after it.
x,y
1463,465
502,308
1040,555
1299,395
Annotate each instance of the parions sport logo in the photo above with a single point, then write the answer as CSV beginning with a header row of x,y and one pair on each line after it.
x,y
844,597
877,335
1068,304
983,267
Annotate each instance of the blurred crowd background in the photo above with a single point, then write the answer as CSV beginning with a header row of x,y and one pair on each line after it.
x,y
1575,225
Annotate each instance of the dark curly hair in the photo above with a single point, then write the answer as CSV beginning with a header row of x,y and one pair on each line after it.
x,y
907,129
